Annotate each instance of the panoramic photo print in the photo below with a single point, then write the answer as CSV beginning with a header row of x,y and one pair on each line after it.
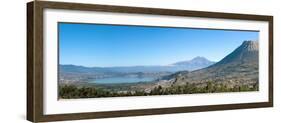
x,y
104,60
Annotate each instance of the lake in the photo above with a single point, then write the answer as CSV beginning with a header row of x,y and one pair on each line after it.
x,y
115,80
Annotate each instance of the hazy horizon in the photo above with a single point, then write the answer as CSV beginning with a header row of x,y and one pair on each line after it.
x,y
138,65
99,45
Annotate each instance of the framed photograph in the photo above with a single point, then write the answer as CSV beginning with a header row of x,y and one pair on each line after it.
x,y
90,61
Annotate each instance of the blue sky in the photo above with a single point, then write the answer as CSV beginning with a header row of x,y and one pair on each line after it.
x,y
96,45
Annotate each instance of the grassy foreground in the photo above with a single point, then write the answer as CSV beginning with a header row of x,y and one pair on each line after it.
x,y
76,92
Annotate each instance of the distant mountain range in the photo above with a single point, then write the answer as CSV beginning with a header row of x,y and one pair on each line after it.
x,y
190,65
239,67
195,63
